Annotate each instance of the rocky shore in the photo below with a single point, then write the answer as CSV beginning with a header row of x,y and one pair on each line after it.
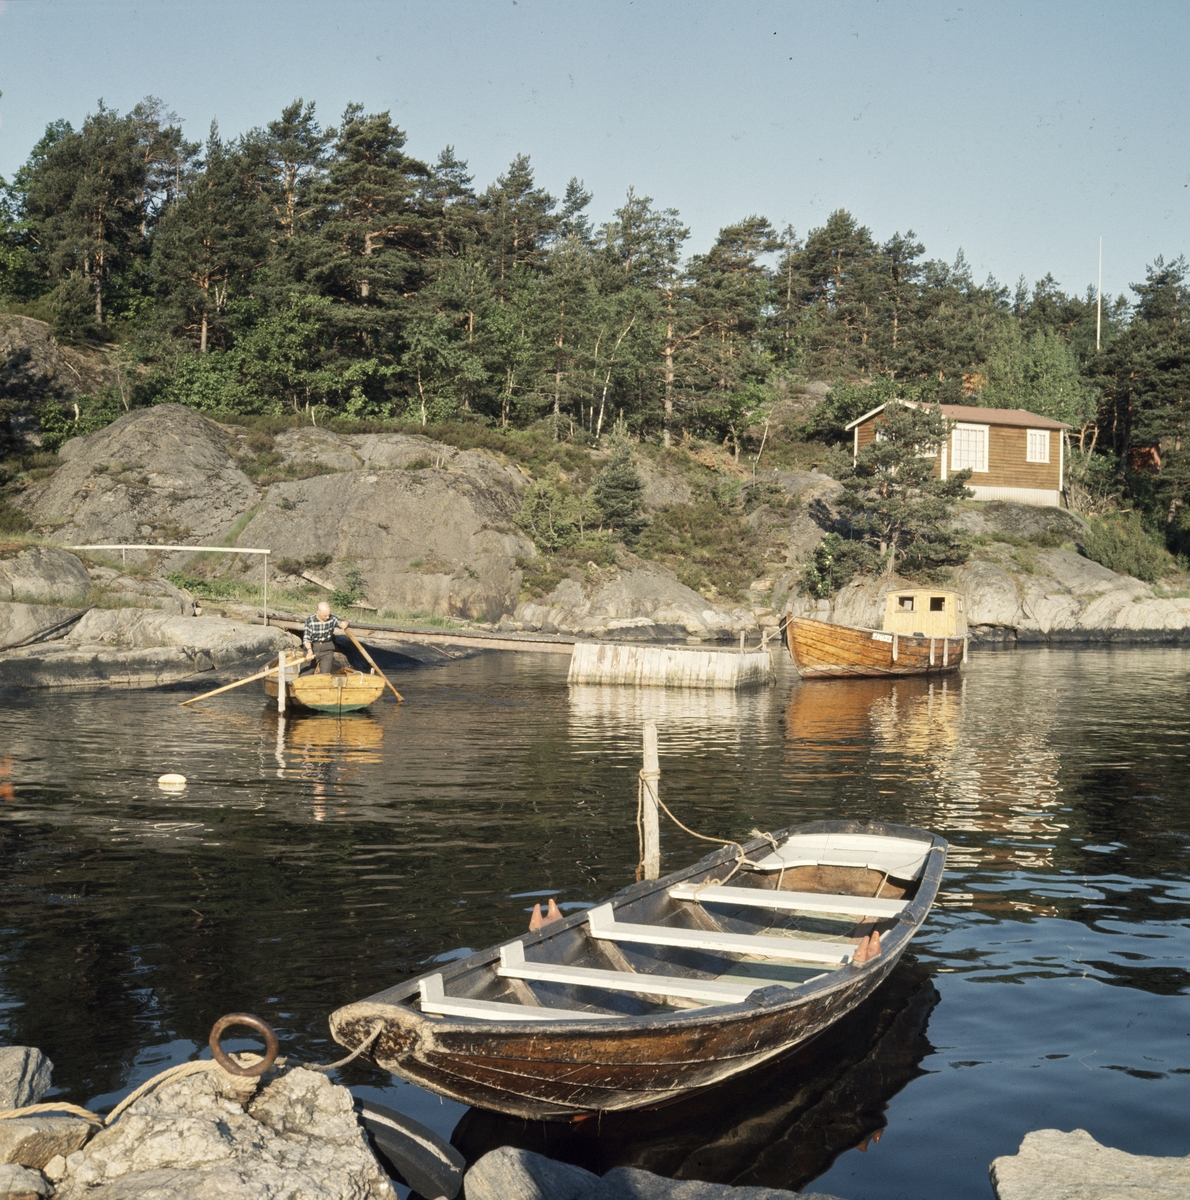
x,y
429,528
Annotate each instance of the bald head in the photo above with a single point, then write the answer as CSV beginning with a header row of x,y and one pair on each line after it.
x,y
324,611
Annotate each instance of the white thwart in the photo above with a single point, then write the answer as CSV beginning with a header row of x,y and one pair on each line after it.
x,y
603,924
513,965
435,1001
901,858
862,906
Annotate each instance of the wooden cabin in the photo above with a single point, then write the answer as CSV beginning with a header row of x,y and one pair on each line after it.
x,y
1013,454
928,612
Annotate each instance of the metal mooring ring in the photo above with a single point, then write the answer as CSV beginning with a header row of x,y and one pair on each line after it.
x,y
250,1022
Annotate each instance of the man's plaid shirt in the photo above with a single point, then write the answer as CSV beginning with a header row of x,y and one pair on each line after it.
x,y
320,631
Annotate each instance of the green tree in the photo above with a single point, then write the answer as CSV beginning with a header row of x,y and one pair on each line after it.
x,y
618,492
894,502
1038,373
208,242
83,197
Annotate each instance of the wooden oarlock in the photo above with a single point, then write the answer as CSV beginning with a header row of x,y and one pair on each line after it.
x,y
650,820
356,644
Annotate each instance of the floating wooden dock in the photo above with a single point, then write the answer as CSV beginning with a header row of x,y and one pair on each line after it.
x,y
663,666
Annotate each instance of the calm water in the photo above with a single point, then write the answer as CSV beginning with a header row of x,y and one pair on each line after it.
x,y
305,868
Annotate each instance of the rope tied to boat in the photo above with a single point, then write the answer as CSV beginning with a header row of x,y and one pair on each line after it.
x,y
238,1067
741,859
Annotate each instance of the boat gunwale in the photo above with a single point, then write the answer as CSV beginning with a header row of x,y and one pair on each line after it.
x,y
397,1000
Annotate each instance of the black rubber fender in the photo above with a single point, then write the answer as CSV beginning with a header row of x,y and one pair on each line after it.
x,y
411,1153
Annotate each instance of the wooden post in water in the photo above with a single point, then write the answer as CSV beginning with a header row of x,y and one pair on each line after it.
x,y
650,820
281,682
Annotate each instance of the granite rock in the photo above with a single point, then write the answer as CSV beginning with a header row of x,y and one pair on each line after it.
x,y
25,1075
117,588
437,539
511,1174
21,1183
42,573
21,621
191,1139
619,602
157,474
1053,1165
33,1141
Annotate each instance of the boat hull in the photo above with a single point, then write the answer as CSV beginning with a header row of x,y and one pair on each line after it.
x,y
823,651
552,1070
340,692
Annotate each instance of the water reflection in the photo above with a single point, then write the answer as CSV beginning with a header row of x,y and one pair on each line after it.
x,y
299,873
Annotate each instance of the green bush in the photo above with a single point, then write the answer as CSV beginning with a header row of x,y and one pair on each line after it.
x,y
836,561
12,520
707,543
1123,544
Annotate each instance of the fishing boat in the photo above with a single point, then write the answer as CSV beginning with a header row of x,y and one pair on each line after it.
x,y
670,987
343,690
924,633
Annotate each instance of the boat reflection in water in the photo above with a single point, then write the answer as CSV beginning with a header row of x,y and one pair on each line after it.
x,y
326,751
779,1126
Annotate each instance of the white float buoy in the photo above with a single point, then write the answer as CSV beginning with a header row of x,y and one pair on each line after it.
x,y
171,783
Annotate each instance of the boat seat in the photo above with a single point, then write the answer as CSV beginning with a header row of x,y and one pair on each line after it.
x,y
513,965
902,858
434,1000
603,924
862,906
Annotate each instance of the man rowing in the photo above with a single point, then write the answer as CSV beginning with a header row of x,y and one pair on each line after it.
x,y
319,638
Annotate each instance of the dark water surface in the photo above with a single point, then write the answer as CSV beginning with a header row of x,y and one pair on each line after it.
x,y
1050,988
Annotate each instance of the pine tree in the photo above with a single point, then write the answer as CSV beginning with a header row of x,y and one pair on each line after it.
x,y
84,200
895,503
618,492
207,242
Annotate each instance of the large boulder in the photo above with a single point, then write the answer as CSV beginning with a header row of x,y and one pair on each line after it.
x,y
42,574
625,603
426,539
161,474
1054,1165
24,622
513,1174
193,1139
25,1075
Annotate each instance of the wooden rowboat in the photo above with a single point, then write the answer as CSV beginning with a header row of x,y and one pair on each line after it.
x,y
823,651
344,690
670,987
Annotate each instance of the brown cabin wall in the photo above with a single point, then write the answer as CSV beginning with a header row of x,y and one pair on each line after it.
x,y
1007,447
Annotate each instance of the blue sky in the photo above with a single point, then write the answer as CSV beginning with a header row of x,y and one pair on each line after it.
x,y
1019,132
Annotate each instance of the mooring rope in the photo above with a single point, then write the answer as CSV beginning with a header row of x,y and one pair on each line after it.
x,y
741,859
180,1071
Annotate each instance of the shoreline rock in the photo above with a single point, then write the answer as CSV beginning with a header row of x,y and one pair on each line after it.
x,y
1053,1165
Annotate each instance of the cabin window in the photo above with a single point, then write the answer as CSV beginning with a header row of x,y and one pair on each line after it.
x,y
969,448
937,604
1038,448
905,603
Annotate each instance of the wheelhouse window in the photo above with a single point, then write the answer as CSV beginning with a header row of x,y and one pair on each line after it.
x,y
905,603
937,604
969,448
1038,447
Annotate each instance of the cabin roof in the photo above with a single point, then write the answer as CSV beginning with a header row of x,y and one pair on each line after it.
x,y
981,416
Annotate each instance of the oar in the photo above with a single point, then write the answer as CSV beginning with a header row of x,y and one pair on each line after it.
x,y
229,686
354,641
